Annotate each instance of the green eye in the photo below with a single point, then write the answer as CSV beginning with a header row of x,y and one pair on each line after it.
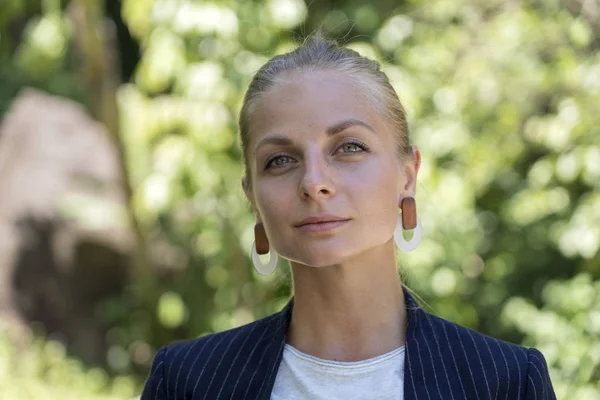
x,y
277,161
352,147
280,160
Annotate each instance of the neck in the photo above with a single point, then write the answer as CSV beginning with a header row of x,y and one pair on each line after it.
x,y
351,311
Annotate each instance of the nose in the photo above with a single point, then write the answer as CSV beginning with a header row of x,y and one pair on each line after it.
x,y
317,179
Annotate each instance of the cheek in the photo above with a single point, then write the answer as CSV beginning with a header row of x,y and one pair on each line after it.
x,y
378,181
272,198
377,194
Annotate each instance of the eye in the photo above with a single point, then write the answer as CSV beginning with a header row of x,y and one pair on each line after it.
x,y
277,161
353,147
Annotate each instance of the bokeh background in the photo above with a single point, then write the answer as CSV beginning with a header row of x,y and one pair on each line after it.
x,y
123,226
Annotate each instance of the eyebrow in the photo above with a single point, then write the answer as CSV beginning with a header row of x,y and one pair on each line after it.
x,y
330,131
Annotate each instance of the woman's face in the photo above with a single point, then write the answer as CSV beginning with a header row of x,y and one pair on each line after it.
x,y
318,149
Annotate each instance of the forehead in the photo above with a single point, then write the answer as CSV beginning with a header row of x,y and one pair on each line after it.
x,y
307,102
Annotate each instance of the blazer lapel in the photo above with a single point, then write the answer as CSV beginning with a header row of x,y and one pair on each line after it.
x,y
415,365
430,372
274,351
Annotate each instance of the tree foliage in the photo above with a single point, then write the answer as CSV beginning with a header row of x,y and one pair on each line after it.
x,y
502,99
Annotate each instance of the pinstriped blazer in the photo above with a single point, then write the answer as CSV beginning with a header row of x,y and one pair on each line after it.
x,y
443,361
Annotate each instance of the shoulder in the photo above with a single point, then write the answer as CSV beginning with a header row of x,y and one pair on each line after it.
x,y
208,347
494,366
461,337
189,366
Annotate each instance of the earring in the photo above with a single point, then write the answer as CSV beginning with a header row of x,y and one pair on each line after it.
x,y
408,220
261,246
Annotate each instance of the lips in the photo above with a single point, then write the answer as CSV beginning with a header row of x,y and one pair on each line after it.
x,y
325,223
321,219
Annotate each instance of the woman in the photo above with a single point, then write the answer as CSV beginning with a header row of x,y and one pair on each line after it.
x,y
328,165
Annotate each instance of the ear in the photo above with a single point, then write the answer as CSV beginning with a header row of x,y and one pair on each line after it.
x,y
411,170
250,197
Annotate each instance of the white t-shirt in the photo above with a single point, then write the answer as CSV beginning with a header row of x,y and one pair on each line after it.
x,y
302,376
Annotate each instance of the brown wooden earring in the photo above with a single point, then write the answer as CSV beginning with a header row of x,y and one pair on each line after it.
x,y
409,213
260,239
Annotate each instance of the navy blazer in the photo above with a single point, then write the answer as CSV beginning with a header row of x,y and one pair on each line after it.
x,y
443,361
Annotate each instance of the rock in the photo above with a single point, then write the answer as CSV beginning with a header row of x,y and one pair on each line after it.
x,y
64,240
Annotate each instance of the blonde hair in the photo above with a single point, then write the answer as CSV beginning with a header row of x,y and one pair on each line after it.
x,y
317,53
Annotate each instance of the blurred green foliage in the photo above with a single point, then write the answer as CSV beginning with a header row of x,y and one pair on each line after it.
x,y
502,99
43,371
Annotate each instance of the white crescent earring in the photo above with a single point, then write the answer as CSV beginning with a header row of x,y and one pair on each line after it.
x,y
408,220
408,245
264,269
261,246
